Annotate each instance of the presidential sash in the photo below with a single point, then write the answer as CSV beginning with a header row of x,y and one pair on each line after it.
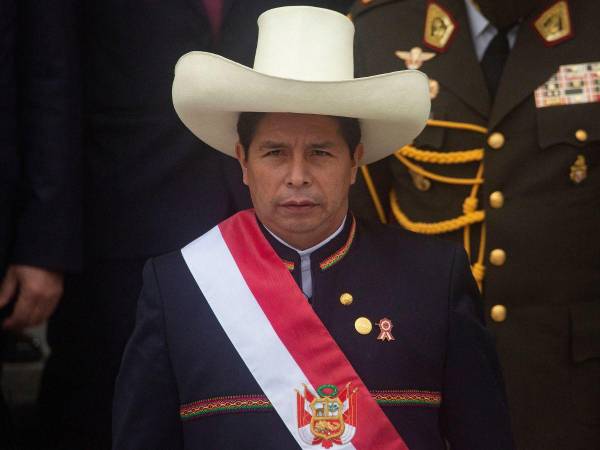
x,y
309,381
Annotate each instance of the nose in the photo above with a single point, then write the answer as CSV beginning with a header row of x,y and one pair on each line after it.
x,y
299,172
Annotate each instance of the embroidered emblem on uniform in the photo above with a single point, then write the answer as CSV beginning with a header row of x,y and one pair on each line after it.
x,y
572,84
578,170
326,418
554,24
385,327
439,27
414,59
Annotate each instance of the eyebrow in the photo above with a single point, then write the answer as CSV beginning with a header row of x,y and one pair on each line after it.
x,y
325,144
279,144
273,144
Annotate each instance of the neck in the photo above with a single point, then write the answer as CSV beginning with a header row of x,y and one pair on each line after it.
x,y
305,240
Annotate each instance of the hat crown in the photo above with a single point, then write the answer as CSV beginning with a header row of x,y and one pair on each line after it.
x,y
305,43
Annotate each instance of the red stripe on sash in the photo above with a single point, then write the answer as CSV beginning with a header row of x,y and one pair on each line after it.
x,y
300,329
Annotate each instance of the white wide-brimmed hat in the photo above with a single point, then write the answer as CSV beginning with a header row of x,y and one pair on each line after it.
x,y
303,64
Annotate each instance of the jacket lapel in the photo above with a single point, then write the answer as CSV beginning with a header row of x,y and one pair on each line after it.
x,y
532,63
458,69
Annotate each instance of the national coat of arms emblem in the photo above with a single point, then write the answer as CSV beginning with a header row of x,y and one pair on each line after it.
x,y
327,417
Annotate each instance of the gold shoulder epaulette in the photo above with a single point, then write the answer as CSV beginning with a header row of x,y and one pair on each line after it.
x,y
362,6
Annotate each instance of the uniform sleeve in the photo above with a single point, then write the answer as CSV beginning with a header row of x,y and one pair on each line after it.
x,y
48,215
474,414
146,402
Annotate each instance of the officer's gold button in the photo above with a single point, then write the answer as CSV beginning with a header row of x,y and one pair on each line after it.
x,y
498,313
581,135
496,140
346,299
496,199
498,257
363,325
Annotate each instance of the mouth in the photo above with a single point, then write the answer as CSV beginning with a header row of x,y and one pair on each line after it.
x,y
298,206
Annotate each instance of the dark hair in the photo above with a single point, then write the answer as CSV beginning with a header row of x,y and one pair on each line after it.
x,y
248,123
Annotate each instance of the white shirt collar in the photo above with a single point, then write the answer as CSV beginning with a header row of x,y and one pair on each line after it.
x,y
477,21
482,31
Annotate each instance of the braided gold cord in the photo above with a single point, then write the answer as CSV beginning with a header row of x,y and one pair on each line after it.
x,y
434,176
470,213
429,156
373,192
444,226
457,126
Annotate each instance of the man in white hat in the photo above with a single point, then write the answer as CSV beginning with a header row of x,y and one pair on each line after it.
x,y
293,325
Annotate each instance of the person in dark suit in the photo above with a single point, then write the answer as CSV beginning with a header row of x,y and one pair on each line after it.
x,y
149,186
40,178
508,165
261,333
8,162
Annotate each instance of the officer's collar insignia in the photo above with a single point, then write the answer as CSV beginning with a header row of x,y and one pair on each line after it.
x,y
553,25
385,327
327,417
415,57
440,27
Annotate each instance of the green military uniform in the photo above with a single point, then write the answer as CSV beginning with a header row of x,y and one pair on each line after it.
x,y
517,179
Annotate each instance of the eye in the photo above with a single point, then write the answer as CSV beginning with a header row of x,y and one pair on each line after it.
x,y
273,152
321,152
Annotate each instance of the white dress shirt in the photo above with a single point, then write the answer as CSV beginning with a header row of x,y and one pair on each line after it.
x,y
305,258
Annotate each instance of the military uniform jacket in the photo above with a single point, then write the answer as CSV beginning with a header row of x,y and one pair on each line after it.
x,y
535,150
183,385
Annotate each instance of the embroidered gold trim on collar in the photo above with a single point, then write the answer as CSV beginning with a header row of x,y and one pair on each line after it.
x,y
439,27
339,255
554,24
289,264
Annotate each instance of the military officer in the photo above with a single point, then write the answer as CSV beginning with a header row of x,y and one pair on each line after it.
x,y
509,165
293,325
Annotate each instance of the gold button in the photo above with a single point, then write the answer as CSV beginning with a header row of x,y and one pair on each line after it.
x,y
496,140
581,135
363,325
498,257
496,199
346,299
498,313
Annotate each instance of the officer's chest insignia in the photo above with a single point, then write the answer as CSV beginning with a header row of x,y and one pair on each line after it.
x,y
385,327
572,84
554,24
414,58
327,417
440,27
578,170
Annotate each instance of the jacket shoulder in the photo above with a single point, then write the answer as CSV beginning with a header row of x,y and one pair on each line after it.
x,y
362,6
395,241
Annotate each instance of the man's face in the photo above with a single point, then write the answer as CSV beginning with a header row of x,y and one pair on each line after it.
x,y
299,170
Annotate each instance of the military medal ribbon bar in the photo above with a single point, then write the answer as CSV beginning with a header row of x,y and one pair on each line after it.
x,y
300,368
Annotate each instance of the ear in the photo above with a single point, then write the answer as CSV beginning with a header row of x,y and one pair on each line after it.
x,y
356,159
241,157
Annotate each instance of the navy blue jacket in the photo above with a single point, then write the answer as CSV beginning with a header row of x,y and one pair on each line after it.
x,y
179,353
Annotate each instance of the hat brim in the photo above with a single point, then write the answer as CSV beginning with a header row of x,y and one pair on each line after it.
x,y
210,91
